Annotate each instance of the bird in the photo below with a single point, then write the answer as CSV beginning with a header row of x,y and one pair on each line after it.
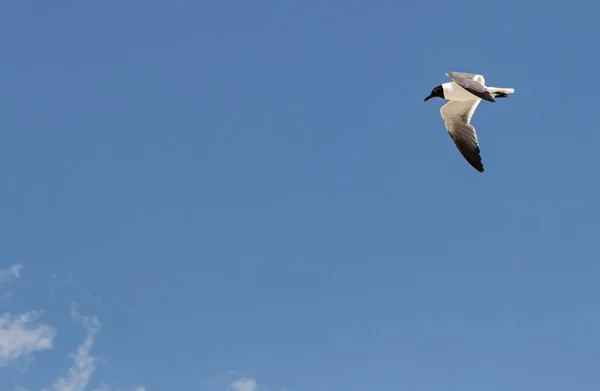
x,y
463,93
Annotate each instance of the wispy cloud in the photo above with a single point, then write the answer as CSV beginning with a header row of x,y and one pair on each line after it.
x,y
10,274
20,336
84,365
244,384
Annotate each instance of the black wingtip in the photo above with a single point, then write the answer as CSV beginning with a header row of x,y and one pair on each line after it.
x,y
477,165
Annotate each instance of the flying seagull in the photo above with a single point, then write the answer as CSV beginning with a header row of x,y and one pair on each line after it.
x,y
463,94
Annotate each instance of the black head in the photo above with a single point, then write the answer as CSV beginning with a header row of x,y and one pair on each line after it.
x,y
437,92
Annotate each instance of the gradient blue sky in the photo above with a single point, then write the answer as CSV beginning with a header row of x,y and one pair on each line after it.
x,y
256,190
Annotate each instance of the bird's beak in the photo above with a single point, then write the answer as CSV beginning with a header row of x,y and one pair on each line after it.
x,y
428,97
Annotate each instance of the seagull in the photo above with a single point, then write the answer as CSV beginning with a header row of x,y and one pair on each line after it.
x,y
463,94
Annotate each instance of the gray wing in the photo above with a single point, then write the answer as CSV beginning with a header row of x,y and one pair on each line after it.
x,y
456,116
469,82
465,75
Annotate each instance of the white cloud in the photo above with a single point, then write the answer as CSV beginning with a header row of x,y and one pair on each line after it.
x,y
84,364
10,274
20,336
244,384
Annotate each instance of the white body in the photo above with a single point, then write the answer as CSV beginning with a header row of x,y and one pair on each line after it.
x,y
453,91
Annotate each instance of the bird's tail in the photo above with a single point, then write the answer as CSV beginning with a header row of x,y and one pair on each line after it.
x,y
498,92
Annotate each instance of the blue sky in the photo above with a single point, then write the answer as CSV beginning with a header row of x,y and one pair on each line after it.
x,y
252,196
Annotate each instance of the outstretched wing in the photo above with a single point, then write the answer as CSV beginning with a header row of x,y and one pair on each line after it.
x,y
457,116
472,83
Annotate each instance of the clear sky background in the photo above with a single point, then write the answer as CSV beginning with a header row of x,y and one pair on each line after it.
x,y
253,196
